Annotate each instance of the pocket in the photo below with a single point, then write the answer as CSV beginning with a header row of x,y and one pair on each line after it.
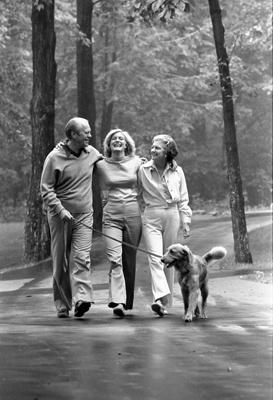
x,y
152,217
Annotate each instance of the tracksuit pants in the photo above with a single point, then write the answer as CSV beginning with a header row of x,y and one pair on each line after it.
x,y
160,230
71,281
122,221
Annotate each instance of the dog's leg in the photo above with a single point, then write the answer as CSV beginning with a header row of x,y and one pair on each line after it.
x,y
185,295
193,298
204,294
197,312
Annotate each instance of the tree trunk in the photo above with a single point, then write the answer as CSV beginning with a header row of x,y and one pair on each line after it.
x,y
107,105
241,243
37,239
85,79
86,90
109,33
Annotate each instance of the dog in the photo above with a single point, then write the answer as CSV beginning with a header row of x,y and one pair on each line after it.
x,y
192,275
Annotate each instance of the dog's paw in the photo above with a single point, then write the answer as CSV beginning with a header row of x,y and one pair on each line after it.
x,y
188,318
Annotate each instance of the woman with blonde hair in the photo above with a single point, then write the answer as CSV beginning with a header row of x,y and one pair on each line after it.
x,y
121,216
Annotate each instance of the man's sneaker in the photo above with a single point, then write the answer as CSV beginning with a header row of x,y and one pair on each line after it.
x,y
158,308
81,308
63,313
119,311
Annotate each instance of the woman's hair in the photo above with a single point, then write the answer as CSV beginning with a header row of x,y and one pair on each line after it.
x,y
171,147
130,144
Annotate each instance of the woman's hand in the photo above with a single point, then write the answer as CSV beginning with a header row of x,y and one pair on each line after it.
x,y
186,230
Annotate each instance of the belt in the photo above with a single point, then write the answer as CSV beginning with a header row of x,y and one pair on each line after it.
x,y
166,205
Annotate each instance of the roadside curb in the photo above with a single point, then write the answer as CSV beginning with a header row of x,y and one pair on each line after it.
x,y
46,265
237,272
43,265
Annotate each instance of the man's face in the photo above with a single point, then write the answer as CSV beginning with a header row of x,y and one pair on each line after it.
x,y
82,135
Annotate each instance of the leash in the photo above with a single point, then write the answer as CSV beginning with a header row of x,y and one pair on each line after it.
x,y
119,241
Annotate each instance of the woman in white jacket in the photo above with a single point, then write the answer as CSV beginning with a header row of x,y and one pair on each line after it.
x,y
164,192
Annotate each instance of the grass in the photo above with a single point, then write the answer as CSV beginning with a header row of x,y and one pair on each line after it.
x,y
12,248
11,244
260,243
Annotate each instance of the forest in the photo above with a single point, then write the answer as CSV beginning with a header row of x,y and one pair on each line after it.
x,y
150,77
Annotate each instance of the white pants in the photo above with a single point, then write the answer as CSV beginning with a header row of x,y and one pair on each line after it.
x,y
160,230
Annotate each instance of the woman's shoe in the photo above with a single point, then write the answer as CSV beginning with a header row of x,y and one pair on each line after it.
x,y
158,308
81,308
119,311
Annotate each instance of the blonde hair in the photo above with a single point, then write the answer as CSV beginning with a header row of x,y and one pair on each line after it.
x,y
130,144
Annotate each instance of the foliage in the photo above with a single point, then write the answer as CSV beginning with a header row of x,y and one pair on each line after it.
x,y
15,92
165,79
66,85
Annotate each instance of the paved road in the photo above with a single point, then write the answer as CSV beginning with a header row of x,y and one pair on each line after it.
x,y
228,356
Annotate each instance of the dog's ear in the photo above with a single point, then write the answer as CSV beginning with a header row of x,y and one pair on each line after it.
x,y
187,254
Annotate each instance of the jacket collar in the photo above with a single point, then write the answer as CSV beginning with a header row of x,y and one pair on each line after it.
x,y
150,164
69,151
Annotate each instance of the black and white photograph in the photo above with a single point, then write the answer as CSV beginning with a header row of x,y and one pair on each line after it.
x,y
136,200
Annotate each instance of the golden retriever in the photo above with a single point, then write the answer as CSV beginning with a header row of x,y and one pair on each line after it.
x,y
192,275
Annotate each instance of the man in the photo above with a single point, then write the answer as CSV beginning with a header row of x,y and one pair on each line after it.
x,y
66,188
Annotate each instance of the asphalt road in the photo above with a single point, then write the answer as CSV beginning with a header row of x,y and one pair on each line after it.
x,y
228,356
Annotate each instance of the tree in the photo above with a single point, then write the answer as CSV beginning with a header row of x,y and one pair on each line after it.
x,y
85,79
37,241
15,87
241,243
163,78
85,85
250,45
167,9
108,33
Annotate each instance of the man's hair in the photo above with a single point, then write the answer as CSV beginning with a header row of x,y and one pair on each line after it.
x,y
130,144
73,125
171,147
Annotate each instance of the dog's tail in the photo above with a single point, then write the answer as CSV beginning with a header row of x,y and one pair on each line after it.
x,y
216,253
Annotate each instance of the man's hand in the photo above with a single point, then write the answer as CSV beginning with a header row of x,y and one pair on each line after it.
x,y
186,230
65,215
